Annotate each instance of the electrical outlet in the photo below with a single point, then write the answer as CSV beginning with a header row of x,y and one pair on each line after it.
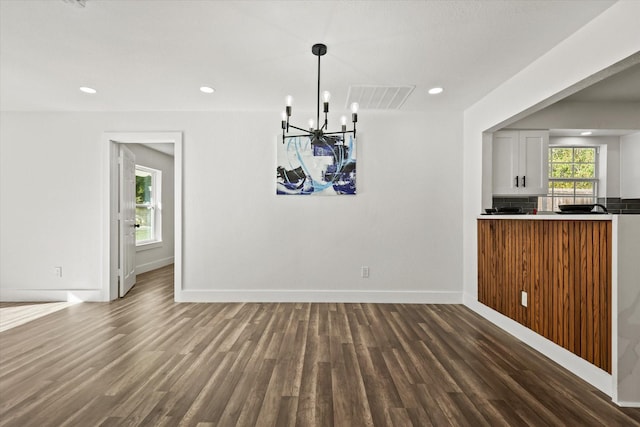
x,y
364,272
523,297
58,272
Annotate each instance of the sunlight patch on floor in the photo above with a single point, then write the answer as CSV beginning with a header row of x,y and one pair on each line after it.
x,y
17,315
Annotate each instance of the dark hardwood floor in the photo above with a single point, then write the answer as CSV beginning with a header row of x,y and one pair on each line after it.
x,y
145,360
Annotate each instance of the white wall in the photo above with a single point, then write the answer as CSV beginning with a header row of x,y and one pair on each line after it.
x,y
627,305
50,207
630,166
240,239
150,257
587,52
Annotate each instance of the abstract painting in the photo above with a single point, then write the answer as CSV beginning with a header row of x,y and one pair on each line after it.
x,y
316,166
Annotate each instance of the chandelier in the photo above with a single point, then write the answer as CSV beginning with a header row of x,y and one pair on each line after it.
x,y
315,131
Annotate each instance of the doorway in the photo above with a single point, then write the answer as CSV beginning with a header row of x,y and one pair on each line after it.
x,y
112,141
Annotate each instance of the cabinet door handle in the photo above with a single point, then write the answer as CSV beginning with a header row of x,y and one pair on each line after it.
x,y
517,185
524,181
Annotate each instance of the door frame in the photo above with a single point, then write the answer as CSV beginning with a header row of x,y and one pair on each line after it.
x,y
110,141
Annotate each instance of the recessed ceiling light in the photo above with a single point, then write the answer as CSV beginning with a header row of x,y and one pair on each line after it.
x,y
207,89
86,89
435,90
586,133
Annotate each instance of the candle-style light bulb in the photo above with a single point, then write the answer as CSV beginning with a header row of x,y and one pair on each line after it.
x,y
354,107
325,97
311,124
287,108
343,122
284,116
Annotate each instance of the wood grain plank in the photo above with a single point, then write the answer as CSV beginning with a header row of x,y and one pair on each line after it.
x,y
566,284
594,353
607,300
584,305
146,360
577,279
547,281
570,292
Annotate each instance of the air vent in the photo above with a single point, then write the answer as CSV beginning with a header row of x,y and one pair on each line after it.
x,y
79,3
379,97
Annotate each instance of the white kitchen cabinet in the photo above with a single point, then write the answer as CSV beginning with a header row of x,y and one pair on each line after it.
x,y
520,163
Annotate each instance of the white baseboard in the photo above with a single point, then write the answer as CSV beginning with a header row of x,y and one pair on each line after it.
x,y
278,295
627,404
143,268
48,295
595,376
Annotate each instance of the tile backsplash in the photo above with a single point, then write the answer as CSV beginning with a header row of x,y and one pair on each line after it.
x,y
615,205
526,203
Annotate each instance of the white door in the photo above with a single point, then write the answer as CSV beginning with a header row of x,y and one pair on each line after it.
x,y
127,220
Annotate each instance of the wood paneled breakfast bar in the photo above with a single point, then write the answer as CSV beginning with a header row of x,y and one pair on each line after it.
x,y
572,279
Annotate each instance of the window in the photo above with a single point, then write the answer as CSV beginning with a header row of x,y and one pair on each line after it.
x,y
148,205
573,177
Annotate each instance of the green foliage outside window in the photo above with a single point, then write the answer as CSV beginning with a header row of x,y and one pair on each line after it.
x,y
572,177
572,162
143,189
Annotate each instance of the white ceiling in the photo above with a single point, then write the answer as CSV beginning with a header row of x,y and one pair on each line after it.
x,y
621,87
594,132
166,148
154,55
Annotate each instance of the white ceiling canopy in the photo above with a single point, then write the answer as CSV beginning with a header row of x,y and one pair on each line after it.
x,y
148,55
